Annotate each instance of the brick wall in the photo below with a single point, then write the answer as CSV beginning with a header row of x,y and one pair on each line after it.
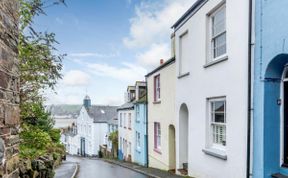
x,y
9,90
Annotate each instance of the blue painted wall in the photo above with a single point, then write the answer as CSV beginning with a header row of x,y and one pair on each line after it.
x,y
140,154
271,56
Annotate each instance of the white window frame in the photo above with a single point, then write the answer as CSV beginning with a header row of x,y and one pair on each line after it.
x,y
211,39
138,143
137,112
129,120
211,124
124,118
121,120
157,88
157,136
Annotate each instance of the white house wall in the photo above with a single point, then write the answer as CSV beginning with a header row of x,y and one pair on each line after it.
x,y
227,78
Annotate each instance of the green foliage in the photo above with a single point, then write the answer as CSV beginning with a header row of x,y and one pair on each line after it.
x,y
113,137
40,67
55,135
35,142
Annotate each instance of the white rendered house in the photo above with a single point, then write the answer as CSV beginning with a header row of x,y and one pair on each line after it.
x,y
92,126
211,42
126,119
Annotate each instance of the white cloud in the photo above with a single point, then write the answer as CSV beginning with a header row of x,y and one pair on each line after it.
x,y
151,57
89,54
127,72
76,78
153,21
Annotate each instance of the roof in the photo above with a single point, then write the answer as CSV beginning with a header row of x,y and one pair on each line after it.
x,y
113,121
190,12
170,61
126,106
102,114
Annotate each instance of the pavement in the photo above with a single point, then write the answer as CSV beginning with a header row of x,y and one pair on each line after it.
x,y
150,172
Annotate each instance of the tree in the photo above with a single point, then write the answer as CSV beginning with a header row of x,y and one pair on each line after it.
x,y
40,67
113,137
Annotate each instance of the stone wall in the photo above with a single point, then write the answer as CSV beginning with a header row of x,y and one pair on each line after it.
x,y
9,89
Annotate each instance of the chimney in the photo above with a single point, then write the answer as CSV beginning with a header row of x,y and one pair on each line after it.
x,y
161,61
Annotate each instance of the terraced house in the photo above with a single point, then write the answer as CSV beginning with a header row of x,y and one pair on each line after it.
x,y
211,89
161,116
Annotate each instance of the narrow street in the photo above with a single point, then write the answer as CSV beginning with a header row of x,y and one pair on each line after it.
x,y
94,168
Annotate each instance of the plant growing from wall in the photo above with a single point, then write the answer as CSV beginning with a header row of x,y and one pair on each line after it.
x,y
113,137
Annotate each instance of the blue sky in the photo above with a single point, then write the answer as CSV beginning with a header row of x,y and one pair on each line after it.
x,y
109,45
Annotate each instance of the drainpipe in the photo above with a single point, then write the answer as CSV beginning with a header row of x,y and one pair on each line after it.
x,y
147,142
250,45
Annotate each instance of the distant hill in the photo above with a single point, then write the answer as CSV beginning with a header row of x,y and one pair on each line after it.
x,y
64,111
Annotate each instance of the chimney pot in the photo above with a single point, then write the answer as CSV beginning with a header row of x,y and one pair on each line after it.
x,y
161,61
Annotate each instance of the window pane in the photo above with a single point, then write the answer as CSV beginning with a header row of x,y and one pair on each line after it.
x,y
219,106
218,22
219,117
219,44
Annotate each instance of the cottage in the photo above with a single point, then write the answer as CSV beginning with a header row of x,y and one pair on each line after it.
x,y
161,116
270,118
140,125
211,42
126,118
92,126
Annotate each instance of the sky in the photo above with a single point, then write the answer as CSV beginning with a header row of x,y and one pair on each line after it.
x,y
110,44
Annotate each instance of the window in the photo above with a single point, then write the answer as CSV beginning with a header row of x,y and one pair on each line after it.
x,y
129,120
120,119
124,120
185,53
217,122
157,136
137,112
138,146
217,33
157,88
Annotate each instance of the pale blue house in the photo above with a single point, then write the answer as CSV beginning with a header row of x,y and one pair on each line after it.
x,y
270,104
140,152
140,125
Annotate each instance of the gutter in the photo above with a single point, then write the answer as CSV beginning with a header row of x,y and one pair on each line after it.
x,y
249,99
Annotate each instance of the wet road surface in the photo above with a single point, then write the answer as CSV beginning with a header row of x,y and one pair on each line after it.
x,y
94,168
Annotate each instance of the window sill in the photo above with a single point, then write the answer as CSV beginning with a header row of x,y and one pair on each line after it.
x,y
183,75
157,151
216,61
157,102
216,153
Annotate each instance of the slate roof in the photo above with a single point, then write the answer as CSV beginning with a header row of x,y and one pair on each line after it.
x,y
102,114
126,106
113,121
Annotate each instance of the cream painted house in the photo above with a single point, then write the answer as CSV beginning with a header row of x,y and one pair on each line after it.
x,y
211,89
161,116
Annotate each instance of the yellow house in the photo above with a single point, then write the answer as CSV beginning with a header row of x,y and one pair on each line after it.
x,y
161,116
